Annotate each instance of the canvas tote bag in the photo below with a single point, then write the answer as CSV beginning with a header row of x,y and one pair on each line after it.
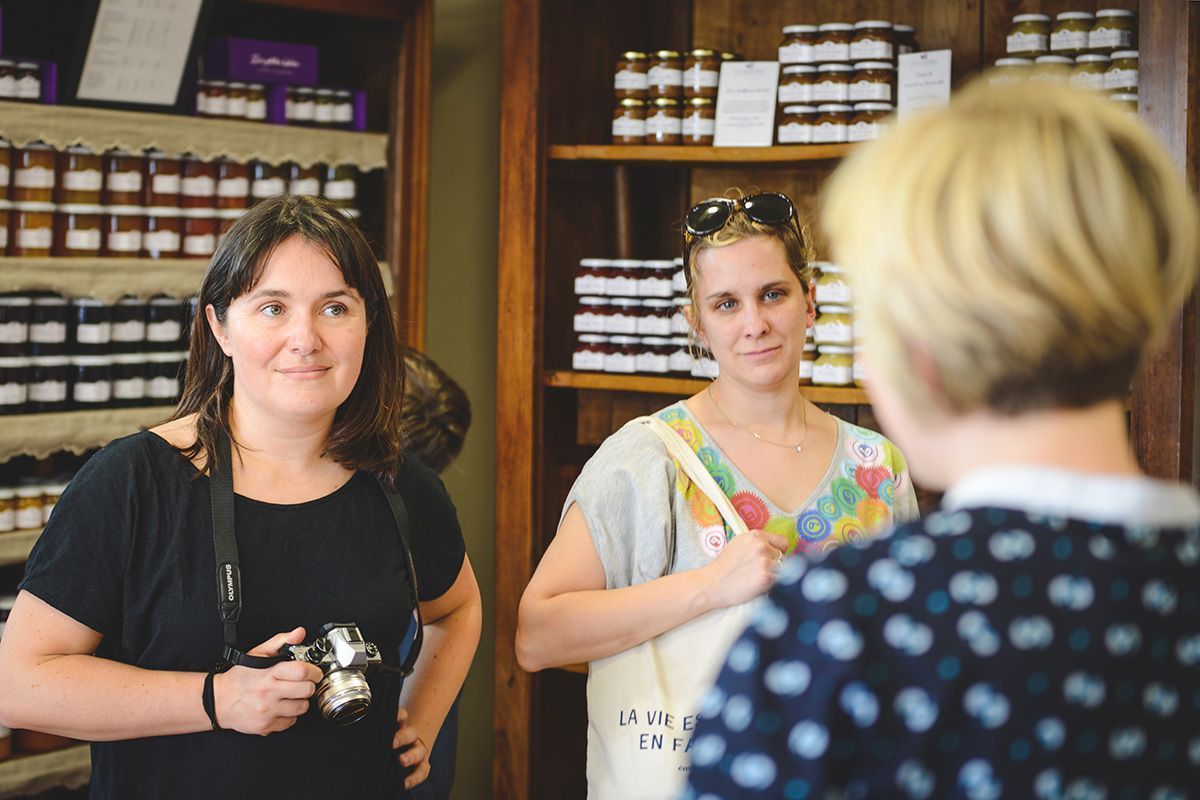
x,y
642,702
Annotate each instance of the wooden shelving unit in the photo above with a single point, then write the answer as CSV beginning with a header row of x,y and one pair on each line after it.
x,y
649,384
676,154
23,776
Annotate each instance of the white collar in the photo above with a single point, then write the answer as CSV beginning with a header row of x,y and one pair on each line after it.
x,y
1131,501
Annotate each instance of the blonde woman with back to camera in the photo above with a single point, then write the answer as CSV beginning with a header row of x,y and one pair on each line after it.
x,y
645,578
1014,257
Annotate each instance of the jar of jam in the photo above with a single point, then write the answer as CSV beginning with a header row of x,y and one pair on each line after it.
x,y
1089,71
834,325
266,180
237,100
78,230
906,39
796,84
833,83
680,360
81,176
48,379
51,494
5,173
124,227
872,82
163,179
629,122
164,232
323,112
164,326
1052,68
589,353
699,124
201,97
31,230
341,185
679,279
14,394
217,102
1127,101
304,105
8,79
623,281
93,325
831,287
343,108
704,365
631,78
29,507
872,40
226,218
198,183
655,319
592,276
833,43
797,45
1071,33
164,371
623,315
48,326
654,355
701,73
592,315
123,177
834,366
91,384
233,184
199,233
1122,72
1113,30
831,123
868,121
256,102
665,74
5,213
806,363
29,81
129,325
304,180
33,173
128,379
1029,35
1010,70
664,123
15,314
656,276
622,355
796,125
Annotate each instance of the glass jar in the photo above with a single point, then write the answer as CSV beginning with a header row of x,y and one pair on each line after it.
x,y
806,363
1052,68
341,185
796,84
1127,101
128,379
623,315
655,280
589,354
51,494
1010,70
29,81
906,39
78,230
32,230
164,232
8,79
199,233
1122,72
29,507
679,278
631,76
591,278
664,123
14,394
256,102
48,325
655,318
873,40
1071,33
5,171
831,287
129,325
699,126
123,177
164,323
323,108
92,319
796,125
5,214
623,282
680,360
1089,71
680,306
48,380
797,44
665,75
237,100
33,173
592,315
124,226
653,356
201,97
217,101
198,183
1029,35
701,73
343,108
622,355
833,43
831,123
91,382
163,179
872,82
868,121
834,325
304,180
834,366
704,365
81,177
833,83
163,371
233,184
304,105
1112,31
266,180
15,314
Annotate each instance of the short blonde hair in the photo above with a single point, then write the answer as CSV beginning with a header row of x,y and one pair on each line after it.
x,y
1033,239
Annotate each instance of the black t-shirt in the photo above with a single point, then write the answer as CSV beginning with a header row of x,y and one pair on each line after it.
x,y
129,553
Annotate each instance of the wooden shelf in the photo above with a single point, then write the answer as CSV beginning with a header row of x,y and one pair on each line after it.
x,y
15,546
675,154
39,435
826,395
68,768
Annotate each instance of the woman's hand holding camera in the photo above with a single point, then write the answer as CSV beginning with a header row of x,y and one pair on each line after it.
x,y
745,568
413,752
265,701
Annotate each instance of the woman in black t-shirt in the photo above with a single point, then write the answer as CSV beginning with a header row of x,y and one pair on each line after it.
x,y
116,629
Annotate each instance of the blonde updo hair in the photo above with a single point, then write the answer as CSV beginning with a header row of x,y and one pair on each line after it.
x,y
1033,239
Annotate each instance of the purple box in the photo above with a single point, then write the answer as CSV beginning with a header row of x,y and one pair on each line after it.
x,y
236,59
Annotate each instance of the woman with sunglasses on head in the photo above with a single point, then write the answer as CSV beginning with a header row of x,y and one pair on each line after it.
x,y
641,551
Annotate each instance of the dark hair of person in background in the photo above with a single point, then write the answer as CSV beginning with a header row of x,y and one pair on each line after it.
x,y
367,431
436,413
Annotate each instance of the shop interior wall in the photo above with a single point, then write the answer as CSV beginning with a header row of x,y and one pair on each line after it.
x,y
461,312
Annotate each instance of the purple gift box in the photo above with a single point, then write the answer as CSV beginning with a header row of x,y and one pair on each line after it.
x,y
260,61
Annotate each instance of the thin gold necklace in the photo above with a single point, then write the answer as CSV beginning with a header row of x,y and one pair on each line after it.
x,y
799,448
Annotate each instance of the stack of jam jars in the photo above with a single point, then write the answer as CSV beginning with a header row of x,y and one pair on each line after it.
x,y
667,96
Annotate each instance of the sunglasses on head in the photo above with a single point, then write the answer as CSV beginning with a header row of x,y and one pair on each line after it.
x,y
766,208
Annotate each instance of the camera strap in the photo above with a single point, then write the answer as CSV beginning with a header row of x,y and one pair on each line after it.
x,y
229,576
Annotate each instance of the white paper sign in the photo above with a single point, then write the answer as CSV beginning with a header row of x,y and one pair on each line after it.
x,y
138,50
924,81
746,104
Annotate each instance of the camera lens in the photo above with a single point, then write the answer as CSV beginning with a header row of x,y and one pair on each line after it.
x,y
344,696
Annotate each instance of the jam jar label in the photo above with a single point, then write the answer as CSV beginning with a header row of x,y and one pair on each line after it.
x,y
129,388
83,180
1121,79
124,241
863,131
829,132
8,86
340,190
343,113
1088,80
663,124
307,186
655,287
198,186
48,392
12,394
14,332
626,126
268,187
623,322
587,361
792,93
696,124
233,187
162,388
93,332
3,238
806,370
654,363
680,361
236,107
1069,40
86,240
679,323
620,362
831,51
218,105
664,76
34,178
29,88
125,181
589,322
4,175
796,53
1105,38
868,90
701,78
166,184
828,91
795,133
832,374
832,293
622,286
628,80
31,516
131,330
161,242
653,325
34,238
1027,43
833,333
256,109
92,392
590,284
870,50
200,244
705,367
324,112
167,330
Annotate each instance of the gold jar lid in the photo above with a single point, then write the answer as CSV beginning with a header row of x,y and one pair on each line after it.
x,y
633,55
699,102
668,54
665,102
702,53
631,102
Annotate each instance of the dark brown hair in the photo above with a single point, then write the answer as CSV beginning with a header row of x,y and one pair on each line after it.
x,y
437,412
367,431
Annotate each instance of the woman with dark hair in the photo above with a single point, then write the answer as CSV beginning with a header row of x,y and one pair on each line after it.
x,y
292,399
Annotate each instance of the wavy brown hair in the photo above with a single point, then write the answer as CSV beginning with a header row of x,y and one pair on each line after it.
x,y
367,431
437,412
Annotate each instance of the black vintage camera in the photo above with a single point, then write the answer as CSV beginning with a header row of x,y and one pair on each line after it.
x,y
340,651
